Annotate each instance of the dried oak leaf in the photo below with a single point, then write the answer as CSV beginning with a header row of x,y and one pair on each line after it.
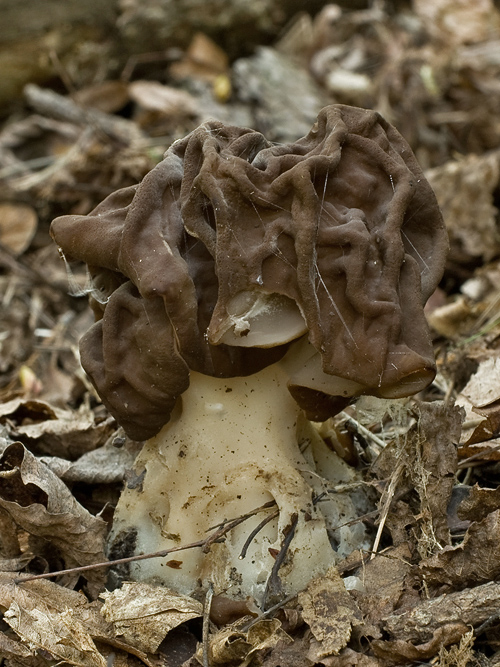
x,y
42,505
59,633
438,430
290,654
349,658
18,223
475,561
465,192
381,578
142,615
46,617
10,648
105,465
232,644
66,433
479,503
330,612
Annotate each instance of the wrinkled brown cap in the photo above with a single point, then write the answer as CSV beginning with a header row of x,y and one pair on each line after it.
x,y
231,247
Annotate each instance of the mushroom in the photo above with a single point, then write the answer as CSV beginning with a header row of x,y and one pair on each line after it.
x,y
241,290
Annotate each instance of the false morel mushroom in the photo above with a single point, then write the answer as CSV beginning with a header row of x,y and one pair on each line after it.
x,y
241,290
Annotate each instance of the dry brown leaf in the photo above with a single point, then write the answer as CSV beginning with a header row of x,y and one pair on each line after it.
x,y
289,654
204,60
330,612
464,190
475,561
42,504
30,593
59,633
399,652
105,465
436,434
455,318
169,101
66,433
350,658
45,616
231,644
107,96
483,388
426,458
10,648
143,615
382,579
471,607
479,503
18,223
458,21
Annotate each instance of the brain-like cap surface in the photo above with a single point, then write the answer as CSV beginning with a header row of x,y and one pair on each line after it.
x,y
231,247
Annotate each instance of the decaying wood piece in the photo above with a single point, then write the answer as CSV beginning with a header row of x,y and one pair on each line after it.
x,y
472,607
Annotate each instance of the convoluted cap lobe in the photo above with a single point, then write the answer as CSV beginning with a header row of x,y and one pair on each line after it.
x,y
231,248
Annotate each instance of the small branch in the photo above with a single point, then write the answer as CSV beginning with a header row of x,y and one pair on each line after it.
x,y
206,624
261,508
362,430
268,612
255,531
217,536
273,580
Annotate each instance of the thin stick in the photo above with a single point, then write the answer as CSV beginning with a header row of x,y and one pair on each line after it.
x,y
254,532
273,577
268,612
110,563
389,495
206,624
364,431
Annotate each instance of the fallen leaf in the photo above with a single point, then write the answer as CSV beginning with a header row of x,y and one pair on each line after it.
x,y
18,223
169,101
472,562
45,616
232,644
142,615
66,433
62,635
39,502
330,612
105,465
479,503
382,579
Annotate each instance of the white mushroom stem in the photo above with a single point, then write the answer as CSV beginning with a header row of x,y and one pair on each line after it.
x,y
231,446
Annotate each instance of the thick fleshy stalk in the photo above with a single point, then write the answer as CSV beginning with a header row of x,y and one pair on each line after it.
x,y
231,446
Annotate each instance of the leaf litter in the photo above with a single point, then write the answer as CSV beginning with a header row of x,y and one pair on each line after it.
x,y
426,590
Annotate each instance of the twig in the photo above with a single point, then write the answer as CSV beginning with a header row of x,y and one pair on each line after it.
x,y
217,536
268,612
49,103
362,430
389,494
478,455
261,508
206,624
255,531
273,581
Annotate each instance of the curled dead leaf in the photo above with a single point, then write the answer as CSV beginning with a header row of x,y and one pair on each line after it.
x,y
42,504
232,644
142,615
